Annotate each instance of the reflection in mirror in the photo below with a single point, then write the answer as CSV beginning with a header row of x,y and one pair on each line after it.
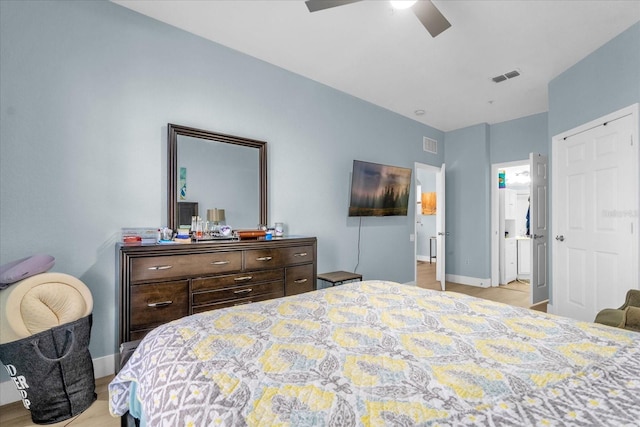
x,y
217,171
222,176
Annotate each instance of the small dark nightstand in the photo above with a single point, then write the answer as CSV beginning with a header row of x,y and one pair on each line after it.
x,y
339,277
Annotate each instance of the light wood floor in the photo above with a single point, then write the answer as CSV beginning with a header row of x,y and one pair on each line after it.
x,y
516,293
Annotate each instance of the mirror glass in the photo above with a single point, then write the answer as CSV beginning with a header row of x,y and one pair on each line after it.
x,y
216,171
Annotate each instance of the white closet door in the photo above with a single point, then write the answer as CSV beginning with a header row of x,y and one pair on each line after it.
x,y
595,188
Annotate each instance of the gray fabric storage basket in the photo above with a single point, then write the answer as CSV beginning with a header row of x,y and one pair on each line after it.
x,y
53,371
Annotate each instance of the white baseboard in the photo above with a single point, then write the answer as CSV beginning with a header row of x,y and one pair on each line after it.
x,y
102,367
471,281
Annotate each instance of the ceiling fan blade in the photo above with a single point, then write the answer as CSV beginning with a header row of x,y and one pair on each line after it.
x,y
316,5
430,16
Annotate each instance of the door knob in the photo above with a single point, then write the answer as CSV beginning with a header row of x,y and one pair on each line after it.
x,y
560,238
538,236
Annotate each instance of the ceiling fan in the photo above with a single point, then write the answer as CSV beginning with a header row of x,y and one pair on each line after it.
x,y
425,10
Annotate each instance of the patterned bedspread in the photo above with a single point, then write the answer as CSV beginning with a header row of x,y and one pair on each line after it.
x,y
381,354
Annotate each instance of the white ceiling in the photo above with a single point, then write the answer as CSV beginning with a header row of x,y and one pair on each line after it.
x,y
387,57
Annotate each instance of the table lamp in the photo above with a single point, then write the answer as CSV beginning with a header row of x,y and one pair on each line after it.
x,y
215,217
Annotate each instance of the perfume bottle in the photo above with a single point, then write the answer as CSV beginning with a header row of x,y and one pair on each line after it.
x,y
199,232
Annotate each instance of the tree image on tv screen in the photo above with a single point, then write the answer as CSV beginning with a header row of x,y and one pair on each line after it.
x,y
379,190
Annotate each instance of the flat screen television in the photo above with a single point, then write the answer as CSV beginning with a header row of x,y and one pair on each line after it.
x,y
379,190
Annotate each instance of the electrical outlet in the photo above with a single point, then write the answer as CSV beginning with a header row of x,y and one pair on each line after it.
x,y
412,237
466,261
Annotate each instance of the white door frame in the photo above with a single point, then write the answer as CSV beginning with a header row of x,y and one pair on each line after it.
x,y
634,111
430,169
495,217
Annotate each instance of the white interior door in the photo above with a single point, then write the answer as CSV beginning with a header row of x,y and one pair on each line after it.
x,y
440,227
539,225
595,217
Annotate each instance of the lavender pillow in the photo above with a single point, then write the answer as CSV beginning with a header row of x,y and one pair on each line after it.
x,y
23,268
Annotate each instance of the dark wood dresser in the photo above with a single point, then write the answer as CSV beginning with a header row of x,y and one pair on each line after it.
x,y
160,283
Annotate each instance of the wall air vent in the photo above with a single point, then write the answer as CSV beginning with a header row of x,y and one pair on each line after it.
x,y
430,145
505,76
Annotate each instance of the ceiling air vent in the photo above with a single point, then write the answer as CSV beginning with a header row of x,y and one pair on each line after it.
x,y
512,74
430,145
505,76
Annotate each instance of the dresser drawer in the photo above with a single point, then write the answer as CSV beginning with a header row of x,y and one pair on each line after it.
x,y
155,304
280,257
298,255
242,301
299,279
221,282
145,269
237,292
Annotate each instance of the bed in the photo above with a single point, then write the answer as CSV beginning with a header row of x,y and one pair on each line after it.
x,y
378,353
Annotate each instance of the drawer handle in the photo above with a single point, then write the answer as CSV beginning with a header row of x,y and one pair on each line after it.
x,y
243,278
300,254
220,262
243,291
160,267
159,304
264,258
242,303
300,281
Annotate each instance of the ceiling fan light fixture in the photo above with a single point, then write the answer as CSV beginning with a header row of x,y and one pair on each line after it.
x,y
427,13
402,4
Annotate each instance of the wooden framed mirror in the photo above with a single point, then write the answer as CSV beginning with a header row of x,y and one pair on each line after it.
x,y
214,170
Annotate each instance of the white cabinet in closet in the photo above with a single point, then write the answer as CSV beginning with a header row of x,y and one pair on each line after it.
x,y
524,258
508,248
508,199
508,261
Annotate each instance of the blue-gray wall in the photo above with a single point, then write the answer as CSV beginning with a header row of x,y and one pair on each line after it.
x,y
515,139
467,218
86,91
603,82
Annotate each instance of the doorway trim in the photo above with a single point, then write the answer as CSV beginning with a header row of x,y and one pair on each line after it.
x,y
430,169
495,217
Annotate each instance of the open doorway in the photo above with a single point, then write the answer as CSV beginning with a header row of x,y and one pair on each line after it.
x,y
429,226
519,226
514,231
426,248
